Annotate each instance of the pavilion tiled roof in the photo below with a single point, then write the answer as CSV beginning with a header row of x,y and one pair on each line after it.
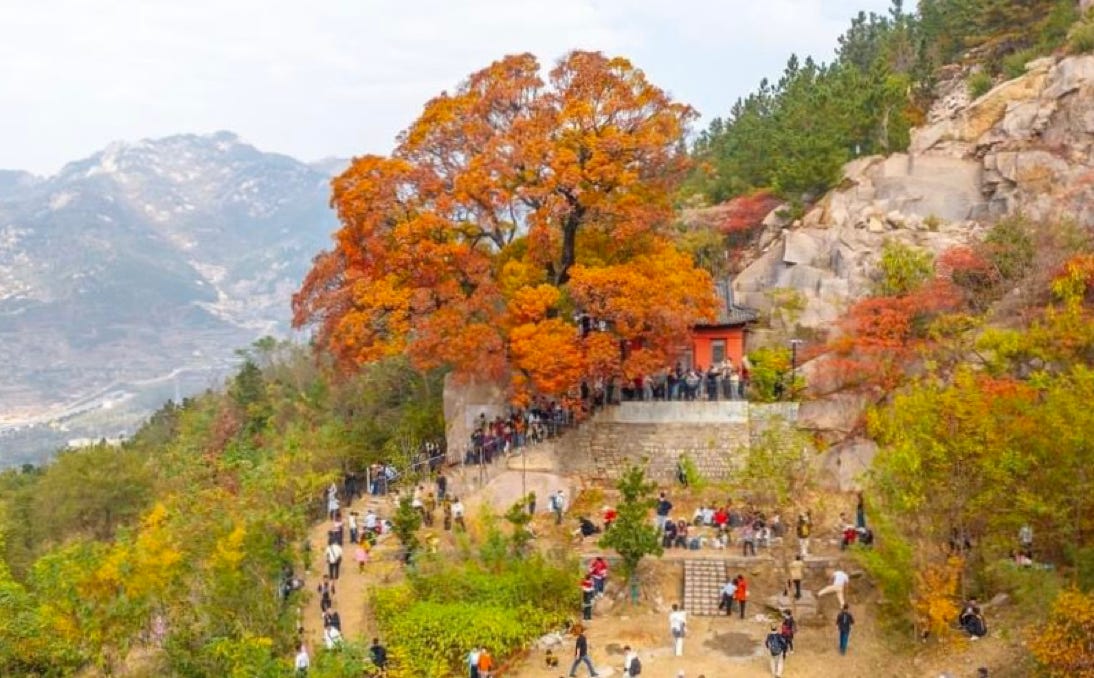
x,y
730,313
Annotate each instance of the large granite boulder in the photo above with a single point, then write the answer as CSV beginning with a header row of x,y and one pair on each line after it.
x,y
843,465
803,608
464,402
837,413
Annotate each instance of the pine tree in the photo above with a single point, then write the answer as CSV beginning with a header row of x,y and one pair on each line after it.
x,y
632,535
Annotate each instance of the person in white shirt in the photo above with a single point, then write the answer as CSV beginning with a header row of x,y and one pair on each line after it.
x,y
332,501
557,504
473,661
726,601
332,637
839,582
334,560
457,514
303,661
708,516
629,659
353,527
678,626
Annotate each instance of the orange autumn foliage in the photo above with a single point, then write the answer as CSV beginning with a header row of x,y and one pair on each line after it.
x,y
548,354
507,206
1074,285
652,300
972,273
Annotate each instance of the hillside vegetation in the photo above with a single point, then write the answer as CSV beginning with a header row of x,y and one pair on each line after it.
x,y
178,541
165,556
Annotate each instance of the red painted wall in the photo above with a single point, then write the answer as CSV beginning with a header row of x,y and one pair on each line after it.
x,y
701,344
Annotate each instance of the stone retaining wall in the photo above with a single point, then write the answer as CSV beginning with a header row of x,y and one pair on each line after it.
x,y
715,436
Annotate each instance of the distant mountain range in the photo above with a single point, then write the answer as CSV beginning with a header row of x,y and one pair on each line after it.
x,y
138,272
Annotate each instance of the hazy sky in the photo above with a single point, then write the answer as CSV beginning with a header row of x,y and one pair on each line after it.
x,y
342,77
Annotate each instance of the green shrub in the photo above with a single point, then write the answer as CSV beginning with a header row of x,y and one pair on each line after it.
x,y
776,466
632,535
1010,247
445,609
903,269
351,659
1030,587
786,301
694,478
1080,40
891,565
770,378
1014,65
979,84
1082,559
1052,30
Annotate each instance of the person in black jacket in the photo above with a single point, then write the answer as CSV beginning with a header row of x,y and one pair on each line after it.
x,y
844,622
581,654
668,538
379,654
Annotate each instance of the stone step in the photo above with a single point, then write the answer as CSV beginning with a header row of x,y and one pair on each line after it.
x,y
703,582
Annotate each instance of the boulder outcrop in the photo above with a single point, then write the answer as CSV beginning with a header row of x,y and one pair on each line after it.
x,y
1026,146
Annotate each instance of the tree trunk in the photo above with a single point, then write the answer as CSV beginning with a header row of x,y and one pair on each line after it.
x,y
569,247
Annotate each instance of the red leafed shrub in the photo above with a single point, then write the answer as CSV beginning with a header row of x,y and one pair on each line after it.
x,y
881,336
743,221
973,273
745,214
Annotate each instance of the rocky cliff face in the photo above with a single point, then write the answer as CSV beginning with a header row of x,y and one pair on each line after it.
x,y
1027,146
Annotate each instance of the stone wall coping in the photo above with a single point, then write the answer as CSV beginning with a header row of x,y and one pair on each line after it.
x,y
695,412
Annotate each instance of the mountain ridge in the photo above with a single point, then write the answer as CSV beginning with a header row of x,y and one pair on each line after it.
x,y
141,259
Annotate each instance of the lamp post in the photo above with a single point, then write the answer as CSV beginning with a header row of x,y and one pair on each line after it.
x,y
793,363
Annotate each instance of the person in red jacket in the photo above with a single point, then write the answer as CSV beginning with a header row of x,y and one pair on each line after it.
x,y
721,518
588,592
741,594
598,570
610,515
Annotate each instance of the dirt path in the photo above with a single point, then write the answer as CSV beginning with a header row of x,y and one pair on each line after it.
x,y
351,589
717,647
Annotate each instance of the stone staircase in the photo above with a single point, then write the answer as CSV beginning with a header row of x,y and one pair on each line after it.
x,y
703,582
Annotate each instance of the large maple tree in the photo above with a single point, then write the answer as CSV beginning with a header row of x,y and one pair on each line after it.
x,y
508,209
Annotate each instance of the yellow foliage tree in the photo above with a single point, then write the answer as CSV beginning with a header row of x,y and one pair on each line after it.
x,y
936,596
1065,645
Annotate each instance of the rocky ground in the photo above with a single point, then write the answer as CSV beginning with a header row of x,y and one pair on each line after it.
x,y
716,647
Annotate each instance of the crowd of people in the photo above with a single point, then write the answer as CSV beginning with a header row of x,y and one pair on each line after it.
x,y
545,418
721,381
384,476
710,525
362,534
727,524
724,380
501,436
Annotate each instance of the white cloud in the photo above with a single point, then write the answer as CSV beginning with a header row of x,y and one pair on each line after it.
x,y
342,77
